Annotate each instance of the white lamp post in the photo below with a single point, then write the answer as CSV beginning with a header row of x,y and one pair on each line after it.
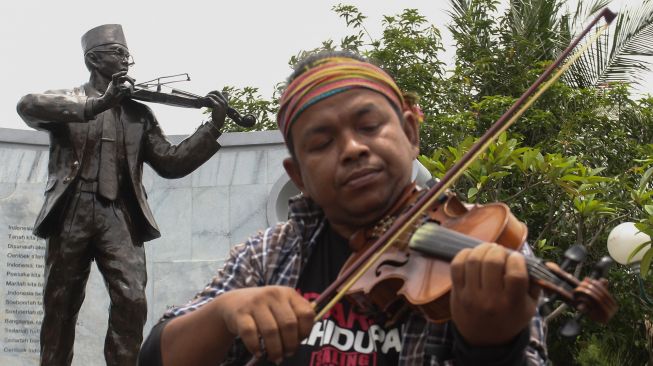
x,y
622,240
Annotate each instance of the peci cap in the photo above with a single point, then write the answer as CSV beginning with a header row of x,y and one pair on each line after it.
x,y
103,34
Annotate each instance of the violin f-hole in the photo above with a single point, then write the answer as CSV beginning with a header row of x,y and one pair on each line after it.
x,y
391,263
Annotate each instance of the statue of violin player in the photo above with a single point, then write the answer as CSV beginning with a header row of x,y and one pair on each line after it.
x,y
95,205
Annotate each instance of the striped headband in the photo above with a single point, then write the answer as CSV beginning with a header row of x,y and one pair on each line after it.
x,y
333,75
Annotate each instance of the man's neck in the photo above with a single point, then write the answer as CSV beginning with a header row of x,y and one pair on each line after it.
x,y
357,234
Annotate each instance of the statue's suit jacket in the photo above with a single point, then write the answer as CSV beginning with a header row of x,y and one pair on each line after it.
x,y
61,114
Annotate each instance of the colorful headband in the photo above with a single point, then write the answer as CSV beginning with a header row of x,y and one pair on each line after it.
x,y
335,75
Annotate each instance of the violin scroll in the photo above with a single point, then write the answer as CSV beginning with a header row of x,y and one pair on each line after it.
x,y
590,297
246,121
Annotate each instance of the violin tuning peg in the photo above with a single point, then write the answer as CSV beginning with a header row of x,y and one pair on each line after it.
x,y
571,327
546,307
573,255
601,268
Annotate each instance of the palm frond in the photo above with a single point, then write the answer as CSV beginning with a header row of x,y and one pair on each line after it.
x,y
619,56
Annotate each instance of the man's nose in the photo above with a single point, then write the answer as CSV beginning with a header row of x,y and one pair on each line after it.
x,y
354,148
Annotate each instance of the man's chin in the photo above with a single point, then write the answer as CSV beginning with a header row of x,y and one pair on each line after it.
x,y
369,213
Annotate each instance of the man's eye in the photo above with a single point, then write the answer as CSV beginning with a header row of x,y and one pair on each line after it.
x,y
369,127
319,144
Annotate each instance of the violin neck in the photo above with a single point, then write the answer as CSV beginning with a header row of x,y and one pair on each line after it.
x,y
438,241
176,98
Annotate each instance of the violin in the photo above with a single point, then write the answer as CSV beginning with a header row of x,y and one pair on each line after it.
x,y
450,227
180,98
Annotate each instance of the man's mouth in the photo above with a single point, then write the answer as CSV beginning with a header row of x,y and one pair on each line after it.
x,y
360,177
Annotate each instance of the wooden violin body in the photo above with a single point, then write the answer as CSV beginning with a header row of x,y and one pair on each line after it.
x,y
415,273
409,275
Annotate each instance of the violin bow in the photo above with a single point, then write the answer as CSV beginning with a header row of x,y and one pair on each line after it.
x,y
405,222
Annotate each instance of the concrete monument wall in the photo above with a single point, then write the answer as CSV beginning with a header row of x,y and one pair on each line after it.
x,y
241,190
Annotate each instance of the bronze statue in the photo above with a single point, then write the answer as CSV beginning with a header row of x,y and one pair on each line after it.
x,y
95,205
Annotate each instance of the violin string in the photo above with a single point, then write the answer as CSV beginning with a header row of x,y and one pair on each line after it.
x,y
539,270
445,243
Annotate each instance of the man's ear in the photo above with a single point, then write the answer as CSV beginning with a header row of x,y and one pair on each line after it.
x,y
411,129
92,60
295,174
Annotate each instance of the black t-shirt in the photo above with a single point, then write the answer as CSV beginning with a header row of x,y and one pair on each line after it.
x,y
345,336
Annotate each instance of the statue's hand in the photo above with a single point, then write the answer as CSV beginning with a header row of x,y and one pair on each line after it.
x,y
120,86
219,104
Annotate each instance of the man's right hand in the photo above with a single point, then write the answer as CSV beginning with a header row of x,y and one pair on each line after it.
x,y
119,87
270,320
276,315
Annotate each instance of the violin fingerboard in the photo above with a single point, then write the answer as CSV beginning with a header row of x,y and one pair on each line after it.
x,y
438,241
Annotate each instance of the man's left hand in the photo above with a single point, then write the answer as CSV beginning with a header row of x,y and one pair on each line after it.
x,y
219,108
491,298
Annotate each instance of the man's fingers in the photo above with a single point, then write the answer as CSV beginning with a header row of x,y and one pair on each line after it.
x,y
458,268
473,265
288,324
249,334
516,277
216,102
305,314
216,95
492,269
115,77
128,79
269,331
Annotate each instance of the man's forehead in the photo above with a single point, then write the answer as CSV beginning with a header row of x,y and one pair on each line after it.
x,y
349,105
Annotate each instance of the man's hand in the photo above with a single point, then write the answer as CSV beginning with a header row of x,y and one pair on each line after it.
x,y
277,315
219,105
491,300
120,86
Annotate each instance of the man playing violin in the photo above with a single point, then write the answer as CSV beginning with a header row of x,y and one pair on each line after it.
x,y
95,204
352,138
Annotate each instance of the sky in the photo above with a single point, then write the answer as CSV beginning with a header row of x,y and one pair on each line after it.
x,y
237,43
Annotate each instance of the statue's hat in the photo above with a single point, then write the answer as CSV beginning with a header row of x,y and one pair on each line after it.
x,y
103,34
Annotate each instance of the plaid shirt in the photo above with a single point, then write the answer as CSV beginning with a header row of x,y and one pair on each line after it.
x,y
277,257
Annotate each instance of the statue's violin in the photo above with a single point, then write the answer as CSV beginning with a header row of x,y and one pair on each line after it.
x,y
179,98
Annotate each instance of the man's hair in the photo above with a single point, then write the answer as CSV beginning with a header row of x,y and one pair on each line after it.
x,y
312,61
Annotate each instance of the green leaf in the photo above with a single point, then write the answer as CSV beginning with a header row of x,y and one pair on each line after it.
x,y
645,178
637,250
471,192
573,178
645,265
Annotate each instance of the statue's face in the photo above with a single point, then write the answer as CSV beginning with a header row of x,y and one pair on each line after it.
x,y
111,59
